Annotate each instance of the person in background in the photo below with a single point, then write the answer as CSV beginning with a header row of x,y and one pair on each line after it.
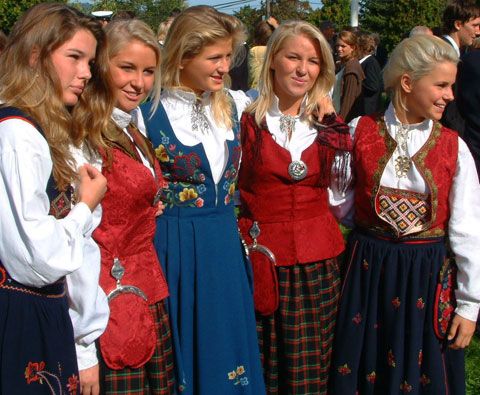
x,y
103,16
347,92
45,224
328,30
263,31
416,30
372,85
195,132
407,310
136,348
288,166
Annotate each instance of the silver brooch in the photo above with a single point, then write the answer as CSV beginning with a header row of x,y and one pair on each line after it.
x,y
298,170
198,118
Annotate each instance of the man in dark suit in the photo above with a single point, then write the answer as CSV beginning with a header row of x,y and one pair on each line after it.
x,y
469,102
372,85
461,21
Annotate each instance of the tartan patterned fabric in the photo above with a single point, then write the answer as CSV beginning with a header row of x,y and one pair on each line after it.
x,y
296,341
156,377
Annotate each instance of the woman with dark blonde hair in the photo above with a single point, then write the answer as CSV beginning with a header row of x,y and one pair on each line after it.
x,y
136,348
45,225
347,93
195,133
288,171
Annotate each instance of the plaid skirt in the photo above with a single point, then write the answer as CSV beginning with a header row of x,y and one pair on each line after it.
x,y
156,377
296,341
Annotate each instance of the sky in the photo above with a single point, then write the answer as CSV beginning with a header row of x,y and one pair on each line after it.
x,y
230,6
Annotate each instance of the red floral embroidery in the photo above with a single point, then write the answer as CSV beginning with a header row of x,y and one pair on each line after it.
x,y
420,303
344,370
3,276
32,370
72,385
357,319
391,359
420,358
199,202
365,265
424,380
396,302
371,377
445,298
405,387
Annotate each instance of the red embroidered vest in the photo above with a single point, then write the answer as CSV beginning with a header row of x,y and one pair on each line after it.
x,y
436,161
128,227
294,216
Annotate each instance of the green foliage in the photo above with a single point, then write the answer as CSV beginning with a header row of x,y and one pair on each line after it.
x,y
10,10
285,10
250,17
393,19
472,367
336,11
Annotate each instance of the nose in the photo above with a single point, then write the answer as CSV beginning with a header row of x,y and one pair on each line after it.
x,y
138,81
224,65
85,73
448,96
302,67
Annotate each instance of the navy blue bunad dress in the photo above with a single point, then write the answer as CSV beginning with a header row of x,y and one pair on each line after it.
x,y
209,278
37,353
398,294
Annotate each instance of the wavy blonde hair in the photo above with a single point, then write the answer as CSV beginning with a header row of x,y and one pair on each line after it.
x,y
99,126
416,56
323,83
34,87
190,32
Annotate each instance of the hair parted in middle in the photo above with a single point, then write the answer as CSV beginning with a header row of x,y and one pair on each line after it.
x,y
192,30
323,83
416,56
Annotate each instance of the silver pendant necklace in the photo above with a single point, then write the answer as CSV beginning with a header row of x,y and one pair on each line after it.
x,y
198,118
403,163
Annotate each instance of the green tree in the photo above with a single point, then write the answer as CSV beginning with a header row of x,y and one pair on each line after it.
x,y
336,11
250,17
393,19
10,10
284,10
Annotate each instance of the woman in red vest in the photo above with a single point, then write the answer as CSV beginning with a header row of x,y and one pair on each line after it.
x,y
399,328
286,220
136,346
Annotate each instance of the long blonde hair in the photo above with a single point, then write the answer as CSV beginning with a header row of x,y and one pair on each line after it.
x,y
323,83
193,29
36,88
416,56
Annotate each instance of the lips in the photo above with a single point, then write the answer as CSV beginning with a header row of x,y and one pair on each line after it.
x,y
78,90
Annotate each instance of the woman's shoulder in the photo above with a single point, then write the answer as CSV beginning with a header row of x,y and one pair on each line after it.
x,y
353,67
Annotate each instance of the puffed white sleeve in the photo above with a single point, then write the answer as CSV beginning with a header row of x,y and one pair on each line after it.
x,y
241,101
464,235
341,192
36,248
88,304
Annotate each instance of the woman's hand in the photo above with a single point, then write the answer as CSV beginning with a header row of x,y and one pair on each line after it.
x,y
160,208
461,331
324,107
92,186
90,381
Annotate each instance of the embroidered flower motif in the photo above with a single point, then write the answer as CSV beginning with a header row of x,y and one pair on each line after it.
x,y
424,380
391,359
231,189
344,370
72,384
371,377
420,358
187,194
199,202
420,303
186,165
201,177
161,153
396,302
365,265
405,387
165,140
235,375
32,371
357,319
227,199
201,188
3,276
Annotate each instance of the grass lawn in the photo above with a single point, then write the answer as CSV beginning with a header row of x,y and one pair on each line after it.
x,y
472,364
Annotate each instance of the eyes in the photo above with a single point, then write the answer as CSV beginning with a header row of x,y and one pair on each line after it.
x,y
295,57
130,68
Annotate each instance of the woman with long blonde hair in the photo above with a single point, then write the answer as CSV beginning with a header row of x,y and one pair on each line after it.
x,y
195,133
45,223
289,168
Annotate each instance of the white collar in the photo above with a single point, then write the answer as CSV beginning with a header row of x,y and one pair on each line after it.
x,y
364,58
187,97
274,110
454,44
391,119
122,118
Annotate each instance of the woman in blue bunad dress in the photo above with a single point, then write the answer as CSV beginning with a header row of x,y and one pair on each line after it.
x,y
399,329
136,347
289,168
195,133
43,72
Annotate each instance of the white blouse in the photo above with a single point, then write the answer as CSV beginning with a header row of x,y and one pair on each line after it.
x,y
179,106
302,137
464,219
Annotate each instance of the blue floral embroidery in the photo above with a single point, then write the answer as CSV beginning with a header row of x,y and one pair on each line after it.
x,y
237,376
165,140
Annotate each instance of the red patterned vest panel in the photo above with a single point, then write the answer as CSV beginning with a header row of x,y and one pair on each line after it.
x,y
128,227
377,208
294,216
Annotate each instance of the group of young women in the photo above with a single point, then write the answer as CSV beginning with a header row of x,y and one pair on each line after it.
x,y
123,268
